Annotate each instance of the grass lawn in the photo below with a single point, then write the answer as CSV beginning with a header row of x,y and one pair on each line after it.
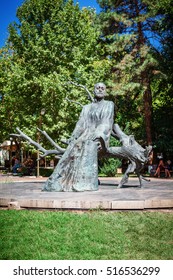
x,y
93,235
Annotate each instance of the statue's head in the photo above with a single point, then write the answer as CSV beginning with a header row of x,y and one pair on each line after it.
x,y
99,90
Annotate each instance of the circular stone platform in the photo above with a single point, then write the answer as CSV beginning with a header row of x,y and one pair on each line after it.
x,y
26,192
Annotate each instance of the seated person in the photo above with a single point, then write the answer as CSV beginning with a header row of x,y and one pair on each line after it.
x,y
162,167
169,164
77,170
16,166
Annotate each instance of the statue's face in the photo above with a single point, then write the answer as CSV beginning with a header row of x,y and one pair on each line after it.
x,y
100,90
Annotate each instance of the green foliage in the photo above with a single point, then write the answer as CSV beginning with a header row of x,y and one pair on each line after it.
x,y
45,172
163,118
125,29
53,43
88,236
108,166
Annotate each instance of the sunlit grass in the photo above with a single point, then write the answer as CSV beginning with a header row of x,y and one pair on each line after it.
x,y
93,235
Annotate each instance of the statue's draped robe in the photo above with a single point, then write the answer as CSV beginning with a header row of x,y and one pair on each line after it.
x,y
77,170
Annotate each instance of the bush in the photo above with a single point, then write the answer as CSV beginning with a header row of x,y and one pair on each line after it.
x,y
46,172
109,167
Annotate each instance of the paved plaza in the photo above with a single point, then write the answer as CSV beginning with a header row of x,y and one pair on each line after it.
x,y
26,192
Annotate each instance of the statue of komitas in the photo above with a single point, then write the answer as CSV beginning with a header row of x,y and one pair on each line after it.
x,y
77,170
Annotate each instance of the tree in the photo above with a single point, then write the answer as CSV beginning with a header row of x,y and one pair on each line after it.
x,y
126,31
162,88
53,43
7,103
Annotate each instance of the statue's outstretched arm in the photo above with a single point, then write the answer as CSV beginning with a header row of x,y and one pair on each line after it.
x,y
58,151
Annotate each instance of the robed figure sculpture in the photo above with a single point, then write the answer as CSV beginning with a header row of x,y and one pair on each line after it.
x,y
77,170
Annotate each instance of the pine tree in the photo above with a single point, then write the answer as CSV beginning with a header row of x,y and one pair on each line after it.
x,y
126,29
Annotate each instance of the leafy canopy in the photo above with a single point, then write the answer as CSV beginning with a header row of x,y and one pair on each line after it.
x,y
53,43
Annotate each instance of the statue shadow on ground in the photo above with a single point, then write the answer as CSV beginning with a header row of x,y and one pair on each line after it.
x,y
123,187
130,186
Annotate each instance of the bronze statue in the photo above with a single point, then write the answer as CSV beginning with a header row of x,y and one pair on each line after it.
x,y
77,169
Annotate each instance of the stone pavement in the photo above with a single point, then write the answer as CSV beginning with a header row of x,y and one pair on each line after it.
x,y
26,192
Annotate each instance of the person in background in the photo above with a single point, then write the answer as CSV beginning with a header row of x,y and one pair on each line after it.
x,y
162,167
168,166
16,166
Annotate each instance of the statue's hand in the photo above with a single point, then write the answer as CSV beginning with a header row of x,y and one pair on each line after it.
x,y
97,140
100,143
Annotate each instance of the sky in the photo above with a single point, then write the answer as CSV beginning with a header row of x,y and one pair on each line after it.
x,y
8,10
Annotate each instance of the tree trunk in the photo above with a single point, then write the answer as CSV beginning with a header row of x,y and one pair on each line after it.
x,y
147,99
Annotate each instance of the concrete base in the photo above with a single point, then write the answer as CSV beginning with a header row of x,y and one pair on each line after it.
x,y
27,193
